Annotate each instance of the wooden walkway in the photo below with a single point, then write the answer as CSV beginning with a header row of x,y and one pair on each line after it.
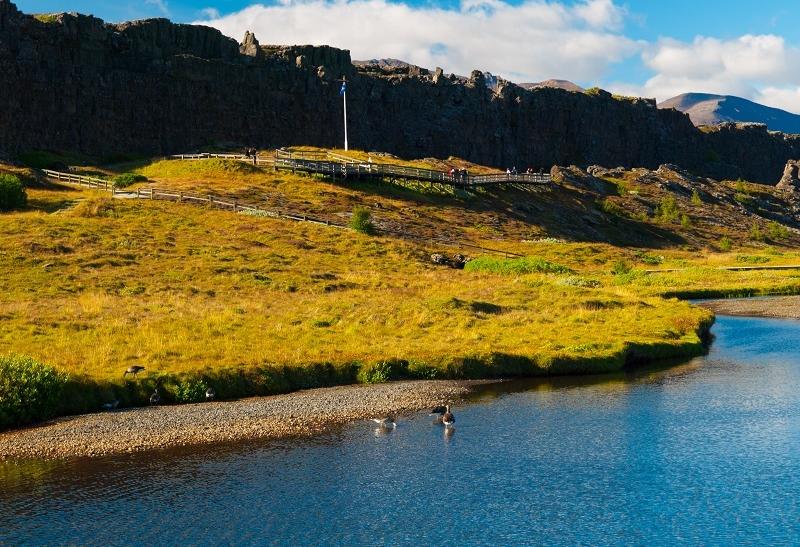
x,y
336,166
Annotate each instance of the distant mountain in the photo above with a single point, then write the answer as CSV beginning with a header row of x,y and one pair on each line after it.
x,y
559,84
706,109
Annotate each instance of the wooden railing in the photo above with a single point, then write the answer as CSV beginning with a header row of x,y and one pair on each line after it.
x,y
257,160
336,165
237,207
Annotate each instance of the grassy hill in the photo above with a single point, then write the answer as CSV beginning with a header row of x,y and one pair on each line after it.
x,y
253,305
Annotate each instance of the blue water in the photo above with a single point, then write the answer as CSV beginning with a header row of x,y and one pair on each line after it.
x,y
704,452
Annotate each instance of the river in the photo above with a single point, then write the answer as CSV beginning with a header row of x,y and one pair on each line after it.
x,y
702,452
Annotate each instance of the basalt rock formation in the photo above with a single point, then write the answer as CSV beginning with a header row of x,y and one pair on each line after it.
x,y
790,181
74,83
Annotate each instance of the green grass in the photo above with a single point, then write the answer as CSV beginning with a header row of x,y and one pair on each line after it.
x,y
515,266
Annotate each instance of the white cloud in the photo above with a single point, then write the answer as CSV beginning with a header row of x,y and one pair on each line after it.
x,y
530,41
761,68
160,4
210,13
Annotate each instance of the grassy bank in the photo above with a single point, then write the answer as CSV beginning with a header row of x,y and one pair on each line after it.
x,y
253,306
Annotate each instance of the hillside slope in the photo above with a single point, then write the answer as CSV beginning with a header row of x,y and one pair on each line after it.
x,y
706,109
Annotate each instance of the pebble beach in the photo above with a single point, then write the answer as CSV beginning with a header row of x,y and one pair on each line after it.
x,y
785,307
294,414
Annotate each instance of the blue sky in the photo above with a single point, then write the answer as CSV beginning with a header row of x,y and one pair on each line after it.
x,y
642,47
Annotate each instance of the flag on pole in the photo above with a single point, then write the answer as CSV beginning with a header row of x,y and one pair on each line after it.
x,y
344,88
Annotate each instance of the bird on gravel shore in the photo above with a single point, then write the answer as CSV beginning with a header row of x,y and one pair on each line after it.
x,y
155,398
386,423
210,394
133,369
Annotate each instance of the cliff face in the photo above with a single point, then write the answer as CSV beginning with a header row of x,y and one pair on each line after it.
x,y
74,83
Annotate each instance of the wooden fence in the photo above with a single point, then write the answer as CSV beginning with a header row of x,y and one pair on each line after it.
x,y
238,207
336,165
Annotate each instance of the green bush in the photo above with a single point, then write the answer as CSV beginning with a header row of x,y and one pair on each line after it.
x,y
752,259
696,198
362,220
725,244
514,266
12,193
191,391
686,222
611,208
621,267
755,232
126,179
667,211
652,260
776,231
29,391
375,373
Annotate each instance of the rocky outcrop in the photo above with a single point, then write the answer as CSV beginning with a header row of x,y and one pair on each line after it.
x,y
75,83
790,181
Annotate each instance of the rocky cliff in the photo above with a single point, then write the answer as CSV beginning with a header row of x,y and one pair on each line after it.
x,y
74,83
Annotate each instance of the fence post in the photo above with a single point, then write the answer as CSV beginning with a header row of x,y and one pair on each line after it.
x,y
234,206
151,193
210,199
180,197
137,194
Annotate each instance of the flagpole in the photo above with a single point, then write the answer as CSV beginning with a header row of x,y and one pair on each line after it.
x,y
344,98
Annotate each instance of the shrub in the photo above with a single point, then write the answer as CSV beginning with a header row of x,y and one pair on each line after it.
x,y
686,222
29,390
752,259
649,259
362,220
12,193
776,231
575,281
621,267
514,266
742,198
755,232
126,179
725,244
191,391
611,208
695,200
376,373
667,210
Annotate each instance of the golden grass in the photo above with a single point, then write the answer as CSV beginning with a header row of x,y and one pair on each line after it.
x,y
184,289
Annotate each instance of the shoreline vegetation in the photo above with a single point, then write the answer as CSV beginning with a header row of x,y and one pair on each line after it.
x,y
253,306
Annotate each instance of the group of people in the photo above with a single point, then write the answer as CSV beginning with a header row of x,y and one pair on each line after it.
x,y
528,171
458,175
251,153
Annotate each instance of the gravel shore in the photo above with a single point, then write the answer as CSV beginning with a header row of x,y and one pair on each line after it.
x,y
294,414
787,307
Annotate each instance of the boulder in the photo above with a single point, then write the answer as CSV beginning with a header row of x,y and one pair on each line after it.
x,y
457,261
790,181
